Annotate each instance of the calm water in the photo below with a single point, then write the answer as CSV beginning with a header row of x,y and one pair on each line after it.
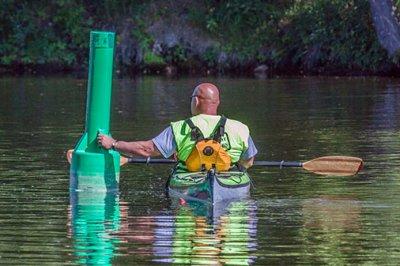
x,y
293,216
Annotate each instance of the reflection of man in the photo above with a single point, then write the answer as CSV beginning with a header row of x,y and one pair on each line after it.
x,y
178,137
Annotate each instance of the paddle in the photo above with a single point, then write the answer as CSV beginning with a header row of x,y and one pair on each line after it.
x,y
327,165
125,160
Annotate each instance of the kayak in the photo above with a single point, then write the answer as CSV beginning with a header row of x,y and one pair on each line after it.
x,y
210,187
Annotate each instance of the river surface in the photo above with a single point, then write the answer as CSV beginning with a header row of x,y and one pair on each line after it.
x,y
293,216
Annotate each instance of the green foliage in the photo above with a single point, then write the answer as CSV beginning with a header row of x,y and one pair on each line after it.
x,y
297,33
41,33
176,55
334,33
152,59
310,35
53,32
146,42
244,27
210,57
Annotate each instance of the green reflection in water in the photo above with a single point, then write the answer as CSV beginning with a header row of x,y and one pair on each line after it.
x,y
95,216
228,238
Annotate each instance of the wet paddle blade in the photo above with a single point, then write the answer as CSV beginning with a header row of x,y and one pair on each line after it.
x,y
69,156
334,165
123,159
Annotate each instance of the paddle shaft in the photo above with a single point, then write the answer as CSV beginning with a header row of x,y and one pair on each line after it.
x,y
170,161
278,164
151,161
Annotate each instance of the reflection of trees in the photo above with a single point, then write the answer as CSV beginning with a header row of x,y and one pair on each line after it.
x,y
126,102
158,97
293,119
330,224
40,117
386,109
145,100
311,231
290,119
327,212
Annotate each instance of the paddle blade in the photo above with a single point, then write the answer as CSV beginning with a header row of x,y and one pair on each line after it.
x,y
122,161
69,156
334,165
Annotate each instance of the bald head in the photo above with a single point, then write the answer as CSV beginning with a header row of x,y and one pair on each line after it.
x,y
206,100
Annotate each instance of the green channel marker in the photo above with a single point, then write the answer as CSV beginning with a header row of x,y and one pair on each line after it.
x,y
94,168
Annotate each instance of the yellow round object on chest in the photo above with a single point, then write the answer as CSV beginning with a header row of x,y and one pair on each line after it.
x,y
207,154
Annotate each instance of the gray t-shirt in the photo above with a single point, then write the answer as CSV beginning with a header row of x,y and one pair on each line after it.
x,y
165,143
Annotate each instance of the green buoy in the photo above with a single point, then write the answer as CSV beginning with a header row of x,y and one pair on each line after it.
x,y
94,168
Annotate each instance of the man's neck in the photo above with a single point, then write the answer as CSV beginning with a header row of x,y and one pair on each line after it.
x,y
209,112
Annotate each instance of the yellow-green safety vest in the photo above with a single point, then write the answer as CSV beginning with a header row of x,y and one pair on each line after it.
x,y
234,141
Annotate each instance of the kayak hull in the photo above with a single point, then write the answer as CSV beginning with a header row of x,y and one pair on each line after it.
x,y
209,186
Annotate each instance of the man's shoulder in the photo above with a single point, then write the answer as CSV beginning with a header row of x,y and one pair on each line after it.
x,y
237,128
236,123
178,126
230,122
177,122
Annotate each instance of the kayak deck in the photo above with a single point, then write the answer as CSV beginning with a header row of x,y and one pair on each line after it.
x,y
209,186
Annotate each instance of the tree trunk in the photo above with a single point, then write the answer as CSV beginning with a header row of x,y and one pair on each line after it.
x,y
386,25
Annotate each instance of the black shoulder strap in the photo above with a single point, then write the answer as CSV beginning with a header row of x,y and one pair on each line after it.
x,y
196,134
220,129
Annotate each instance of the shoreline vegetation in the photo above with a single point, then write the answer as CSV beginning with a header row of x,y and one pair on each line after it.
x,y
233,37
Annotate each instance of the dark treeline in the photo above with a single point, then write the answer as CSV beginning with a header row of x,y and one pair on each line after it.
x,y
205,36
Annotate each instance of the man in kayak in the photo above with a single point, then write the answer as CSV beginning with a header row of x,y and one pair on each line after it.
x,y
181,138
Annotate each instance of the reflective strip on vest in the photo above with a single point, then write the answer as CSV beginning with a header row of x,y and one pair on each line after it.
x,y
235,140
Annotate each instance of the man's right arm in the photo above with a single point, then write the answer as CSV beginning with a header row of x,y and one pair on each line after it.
x,y
141,148
165,142
247,163
247,158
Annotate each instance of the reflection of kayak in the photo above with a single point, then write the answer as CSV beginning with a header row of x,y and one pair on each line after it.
x,y
209,186
211,212
229,238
